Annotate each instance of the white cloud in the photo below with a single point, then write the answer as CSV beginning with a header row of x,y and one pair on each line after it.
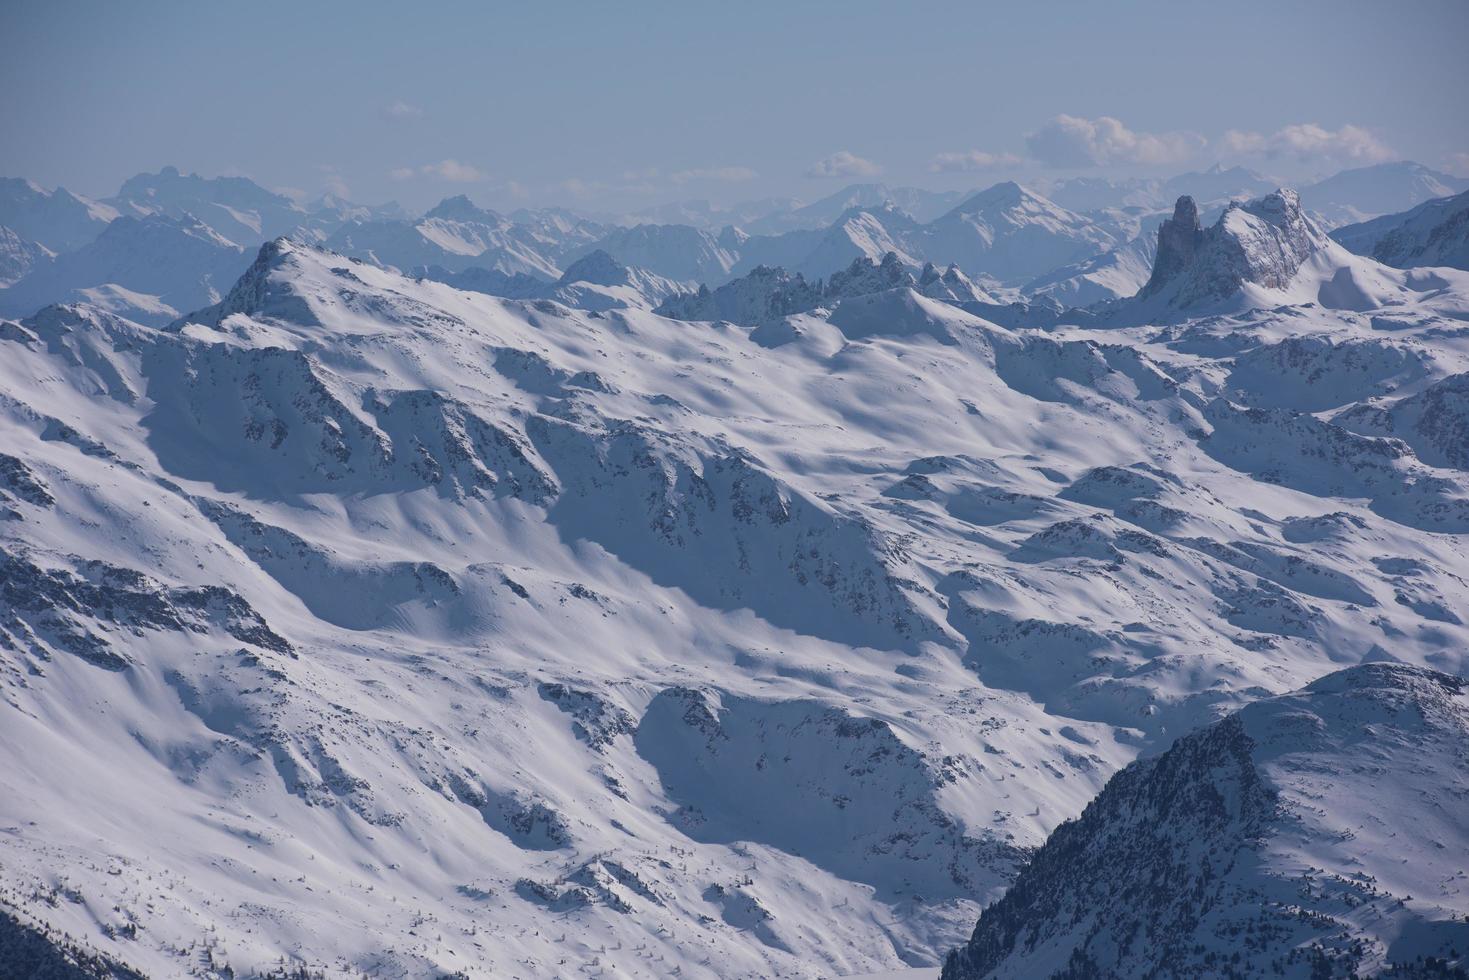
x,y
1310,142
1457,163
450,170
725,174
843,163
398,109
1073,141
971,161
453,170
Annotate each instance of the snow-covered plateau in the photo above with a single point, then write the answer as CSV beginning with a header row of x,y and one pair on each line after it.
x,y
359,624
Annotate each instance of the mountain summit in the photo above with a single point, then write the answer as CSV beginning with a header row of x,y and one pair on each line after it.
x,y
1256,253
1178,240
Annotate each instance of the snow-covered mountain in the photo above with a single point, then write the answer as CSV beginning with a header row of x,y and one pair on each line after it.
x,y
1114,274
597,281
862,233
1434,233
1315,834
922,205
1004,233
763,294
236,208
679,252
951,285
705,214
149,269
1012,234
766,294
1216,186
58,219
457,235
1387,188
1261,253
356,622
18,256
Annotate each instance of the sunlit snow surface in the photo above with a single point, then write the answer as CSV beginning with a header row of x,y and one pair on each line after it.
x,y
367,623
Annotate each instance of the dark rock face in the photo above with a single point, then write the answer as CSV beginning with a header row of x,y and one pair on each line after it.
x,y
1264,242
595,720
42,607
1106,851
865,276
1178,239
1206,860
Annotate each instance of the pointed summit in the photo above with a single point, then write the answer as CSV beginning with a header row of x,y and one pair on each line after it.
x,y
461,208
1178,240
260,291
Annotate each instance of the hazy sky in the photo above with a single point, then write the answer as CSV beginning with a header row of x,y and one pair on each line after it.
x,y
623,104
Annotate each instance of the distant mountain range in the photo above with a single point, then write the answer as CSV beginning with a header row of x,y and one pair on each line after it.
x,y
1089,241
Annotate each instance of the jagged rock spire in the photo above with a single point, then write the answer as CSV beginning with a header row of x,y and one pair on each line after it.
x,y
1178,239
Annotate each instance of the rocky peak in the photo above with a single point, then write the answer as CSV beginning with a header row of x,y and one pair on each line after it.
x,y
765,293
460,208
951,285
259,291
1178,240
865,276
1263,242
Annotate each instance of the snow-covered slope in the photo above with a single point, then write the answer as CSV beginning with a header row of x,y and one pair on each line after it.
x,y
1115,274
56,219
236,207
951,285
457,235
149,269
764,294
596,281
1261,254
767,294
1386,188
677,252
1434,233
1012,234
1320,833
18,256
867,233
360,623
923,205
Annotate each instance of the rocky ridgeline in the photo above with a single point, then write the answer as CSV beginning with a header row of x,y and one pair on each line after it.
x,y
1263,241
1278,842
766,293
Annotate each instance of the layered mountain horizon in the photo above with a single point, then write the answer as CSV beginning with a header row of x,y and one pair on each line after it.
x,y
463,618
1085,241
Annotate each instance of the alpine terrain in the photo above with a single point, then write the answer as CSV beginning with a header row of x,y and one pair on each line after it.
x,y
488,595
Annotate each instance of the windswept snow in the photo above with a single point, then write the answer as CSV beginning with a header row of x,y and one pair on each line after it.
x,y
766,634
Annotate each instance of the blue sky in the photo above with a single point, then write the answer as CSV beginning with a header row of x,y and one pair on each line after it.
x,y
625,104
